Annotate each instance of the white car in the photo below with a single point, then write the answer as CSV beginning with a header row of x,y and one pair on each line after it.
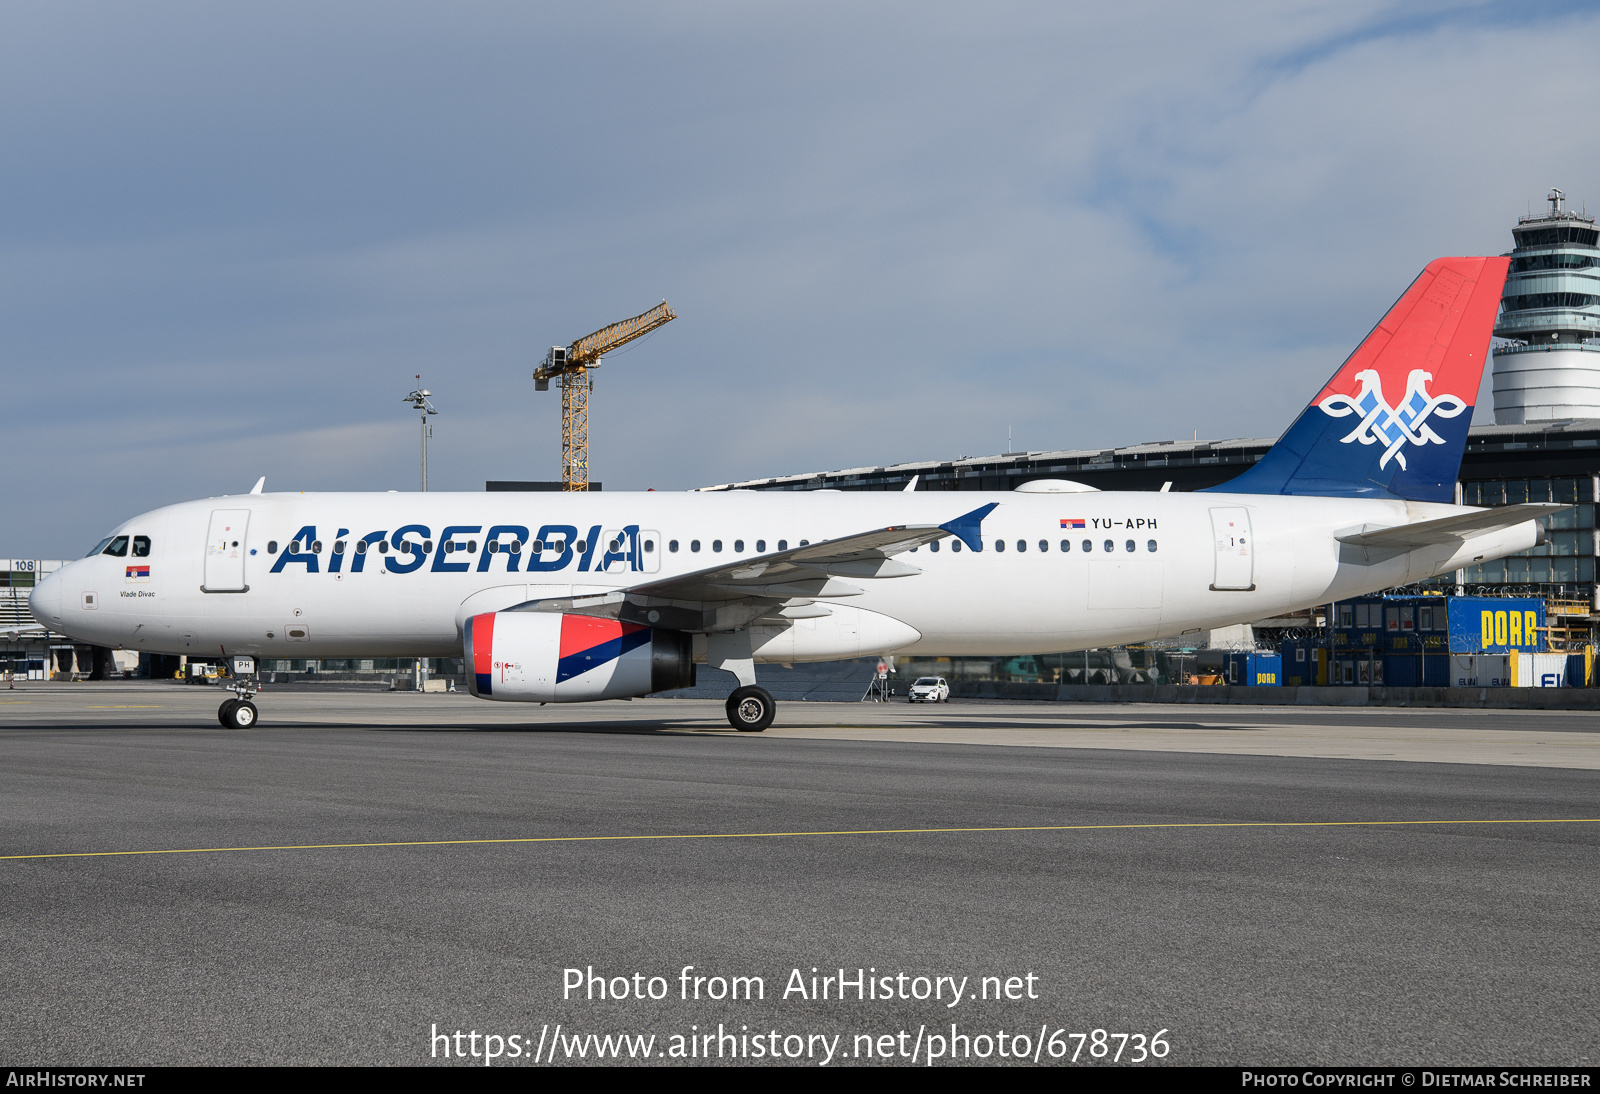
x,y
930,689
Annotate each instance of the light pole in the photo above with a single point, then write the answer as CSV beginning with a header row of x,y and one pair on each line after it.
x,y
419,399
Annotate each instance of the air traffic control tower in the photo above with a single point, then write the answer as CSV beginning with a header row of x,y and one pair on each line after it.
x,y
1550,310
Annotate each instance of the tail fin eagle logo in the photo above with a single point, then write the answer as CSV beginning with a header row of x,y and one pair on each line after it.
x,y
1393,427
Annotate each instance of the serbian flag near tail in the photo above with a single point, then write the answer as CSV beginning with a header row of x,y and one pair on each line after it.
x,y
1392,423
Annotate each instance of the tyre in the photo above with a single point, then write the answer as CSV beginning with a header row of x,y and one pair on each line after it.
x,y
243,715
225,712
751,709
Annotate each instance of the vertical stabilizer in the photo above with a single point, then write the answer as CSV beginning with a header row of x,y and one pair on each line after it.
x,y
1392,423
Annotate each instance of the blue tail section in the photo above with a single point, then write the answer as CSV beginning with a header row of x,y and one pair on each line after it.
x,y
1427,355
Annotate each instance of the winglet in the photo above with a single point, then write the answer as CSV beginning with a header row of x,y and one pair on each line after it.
x,y
969,527
256,489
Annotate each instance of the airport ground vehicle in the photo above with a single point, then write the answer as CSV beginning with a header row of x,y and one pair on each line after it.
x,y
929,689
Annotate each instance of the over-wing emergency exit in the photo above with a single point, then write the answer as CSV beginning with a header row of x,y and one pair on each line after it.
x,y
575,597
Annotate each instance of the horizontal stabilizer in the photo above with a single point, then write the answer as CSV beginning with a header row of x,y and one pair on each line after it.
x,y
1425,533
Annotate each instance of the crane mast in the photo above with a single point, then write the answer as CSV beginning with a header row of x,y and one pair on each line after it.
x,y
571,365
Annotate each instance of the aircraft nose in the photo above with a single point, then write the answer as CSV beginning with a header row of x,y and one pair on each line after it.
x,y
45,600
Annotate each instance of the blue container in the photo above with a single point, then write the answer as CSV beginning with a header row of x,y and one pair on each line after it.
x,y
1300,659
1407,670
1253,669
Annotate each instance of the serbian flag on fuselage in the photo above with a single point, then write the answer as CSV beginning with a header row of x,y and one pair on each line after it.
x,y
1072,522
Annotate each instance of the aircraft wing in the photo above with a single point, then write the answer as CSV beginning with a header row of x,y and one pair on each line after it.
x,y
1425,533
11,634
784,584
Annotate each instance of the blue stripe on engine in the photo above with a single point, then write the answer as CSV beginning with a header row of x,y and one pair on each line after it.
x,y
575,664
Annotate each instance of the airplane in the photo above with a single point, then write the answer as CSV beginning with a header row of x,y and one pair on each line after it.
x,y
578,597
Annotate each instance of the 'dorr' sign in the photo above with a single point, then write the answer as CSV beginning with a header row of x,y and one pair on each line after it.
x,y
1480,624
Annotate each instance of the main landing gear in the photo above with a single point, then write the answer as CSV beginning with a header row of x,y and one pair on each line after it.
x,y
239,712
751,709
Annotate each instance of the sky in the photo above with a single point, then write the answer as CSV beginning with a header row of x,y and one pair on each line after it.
x,y
232,235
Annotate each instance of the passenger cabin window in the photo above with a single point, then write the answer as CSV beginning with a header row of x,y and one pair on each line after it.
x,y
761,546
1109,546
118,547
649,546
1130,546
934,546
1088,545
1044,545
672,545
716,545
1022,545
1066,545
783,545
999,545
694,545
1151,546
955,545
738,546
272,546
141,546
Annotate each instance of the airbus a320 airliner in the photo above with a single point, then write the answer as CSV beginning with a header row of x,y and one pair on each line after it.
x,y
578,597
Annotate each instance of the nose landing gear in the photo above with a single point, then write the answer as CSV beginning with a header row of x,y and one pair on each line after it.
x,y
239,712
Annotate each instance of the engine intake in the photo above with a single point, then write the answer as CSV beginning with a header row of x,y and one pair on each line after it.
x,y
545,657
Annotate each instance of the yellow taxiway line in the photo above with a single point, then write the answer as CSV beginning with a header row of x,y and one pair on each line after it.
x,y
788,835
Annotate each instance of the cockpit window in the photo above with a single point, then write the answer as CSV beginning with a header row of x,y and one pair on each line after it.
x,y
98,547
119,547
141,546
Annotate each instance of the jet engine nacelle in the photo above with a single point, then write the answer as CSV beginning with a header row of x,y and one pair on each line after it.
x,y
545,657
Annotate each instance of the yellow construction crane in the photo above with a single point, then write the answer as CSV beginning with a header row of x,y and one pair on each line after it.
x,y
572,364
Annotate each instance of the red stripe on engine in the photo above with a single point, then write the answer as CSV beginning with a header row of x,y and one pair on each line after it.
x,y
483,643
580,632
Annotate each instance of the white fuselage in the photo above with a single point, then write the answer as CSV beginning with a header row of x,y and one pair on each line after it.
x,y
1031,598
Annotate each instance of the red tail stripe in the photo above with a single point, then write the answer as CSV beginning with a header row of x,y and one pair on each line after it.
x,y
1441,324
